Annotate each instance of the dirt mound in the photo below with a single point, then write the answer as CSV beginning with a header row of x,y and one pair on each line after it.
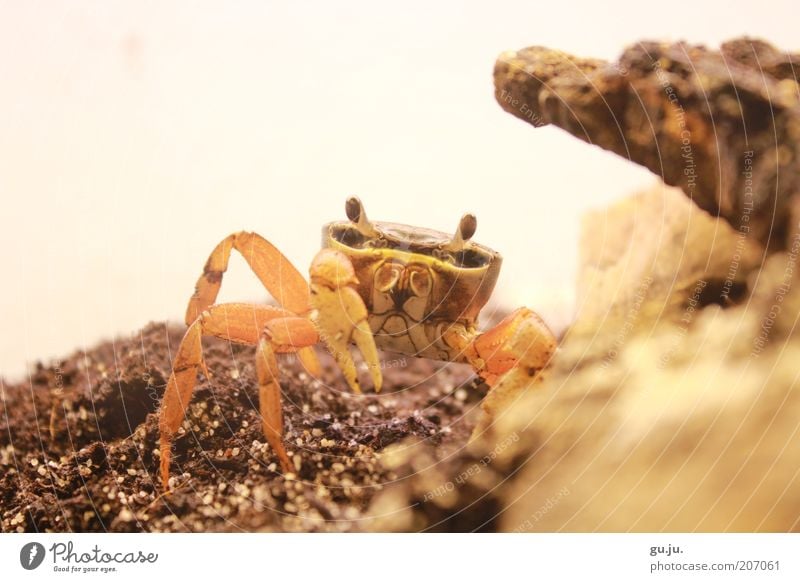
x,y
78,443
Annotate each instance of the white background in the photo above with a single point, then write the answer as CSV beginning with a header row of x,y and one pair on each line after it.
x,y
135,135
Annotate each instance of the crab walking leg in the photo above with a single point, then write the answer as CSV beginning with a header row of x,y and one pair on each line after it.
x,y
296,334
238,322
510,357
341,316
269,398
521,344
280,335
179,390
277,274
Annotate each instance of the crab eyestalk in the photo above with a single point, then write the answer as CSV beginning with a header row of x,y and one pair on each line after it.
x,y
465,231
358,216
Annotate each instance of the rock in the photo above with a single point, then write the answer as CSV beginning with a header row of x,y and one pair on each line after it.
x,y
684,427
656,251
724,126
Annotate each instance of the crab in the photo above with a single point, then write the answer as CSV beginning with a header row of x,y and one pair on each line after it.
x,y
374,285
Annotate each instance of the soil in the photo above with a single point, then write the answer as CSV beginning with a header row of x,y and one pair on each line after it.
x,y
79,440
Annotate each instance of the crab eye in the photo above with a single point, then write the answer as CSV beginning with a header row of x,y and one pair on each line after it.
x,y
467,226
354,209
386,277
420,283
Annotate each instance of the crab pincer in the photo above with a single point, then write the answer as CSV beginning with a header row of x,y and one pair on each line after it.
x,y
341,316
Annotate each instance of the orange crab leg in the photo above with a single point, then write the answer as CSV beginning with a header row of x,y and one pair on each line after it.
x,y
238,322
277,274
341,316
269,398
280,335
520,339
510,357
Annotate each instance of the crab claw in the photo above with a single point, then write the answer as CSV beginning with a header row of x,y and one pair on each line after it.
x,y
341,316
